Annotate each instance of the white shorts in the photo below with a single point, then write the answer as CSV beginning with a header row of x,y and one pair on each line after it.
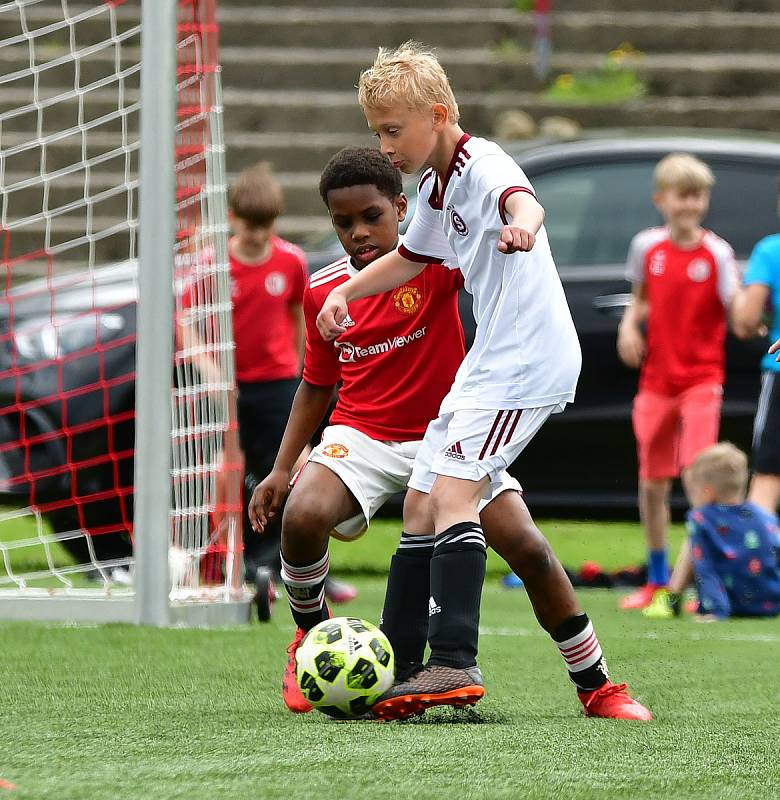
x,y
473,444
374,471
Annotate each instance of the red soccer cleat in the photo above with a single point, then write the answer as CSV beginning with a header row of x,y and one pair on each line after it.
x,y
291,692
641,598
612,701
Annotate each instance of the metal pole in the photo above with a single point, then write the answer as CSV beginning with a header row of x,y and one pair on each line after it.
x,y
154,354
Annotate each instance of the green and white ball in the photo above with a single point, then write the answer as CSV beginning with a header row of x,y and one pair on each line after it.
x,y
343,665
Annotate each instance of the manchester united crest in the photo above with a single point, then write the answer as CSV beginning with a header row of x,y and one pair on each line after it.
x,y
335,451
407,299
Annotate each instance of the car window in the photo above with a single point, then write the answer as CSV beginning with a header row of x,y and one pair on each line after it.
x,y
744,204
592,211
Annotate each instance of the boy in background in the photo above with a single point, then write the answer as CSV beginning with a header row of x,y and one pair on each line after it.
x,y
732,548
683,280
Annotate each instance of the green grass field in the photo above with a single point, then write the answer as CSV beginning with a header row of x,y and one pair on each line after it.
x,y
121,712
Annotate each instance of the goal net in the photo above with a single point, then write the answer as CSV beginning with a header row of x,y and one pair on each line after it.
x,y
69,230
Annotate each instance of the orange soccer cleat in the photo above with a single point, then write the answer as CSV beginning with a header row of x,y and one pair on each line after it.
x,y
291,692
641,598
612,701
434,685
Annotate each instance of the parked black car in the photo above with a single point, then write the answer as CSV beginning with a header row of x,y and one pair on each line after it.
x,y
597,195
67,395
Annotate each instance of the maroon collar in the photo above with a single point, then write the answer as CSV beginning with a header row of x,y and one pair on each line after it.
x,y
436,197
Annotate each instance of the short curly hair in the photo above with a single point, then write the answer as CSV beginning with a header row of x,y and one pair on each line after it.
x,y
359,166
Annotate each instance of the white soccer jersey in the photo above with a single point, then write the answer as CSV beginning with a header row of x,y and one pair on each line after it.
x,y
526,353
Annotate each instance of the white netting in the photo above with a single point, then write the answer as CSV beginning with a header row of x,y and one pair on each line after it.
x,y
69,148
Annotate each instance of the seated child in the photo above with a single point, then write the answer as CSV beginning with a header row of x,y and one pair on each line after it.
x,y
732,548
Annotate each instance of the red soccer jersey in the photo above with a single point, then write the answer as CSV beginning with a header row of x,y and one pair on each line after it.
x,y
688,291
398,357
264,296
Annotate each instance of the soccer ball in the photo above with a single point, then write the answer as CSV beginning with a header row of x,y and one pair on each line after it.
x,y
343,665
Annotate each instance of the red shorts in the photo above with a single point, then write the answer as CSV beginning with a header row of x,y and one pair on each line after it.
x,y
671,431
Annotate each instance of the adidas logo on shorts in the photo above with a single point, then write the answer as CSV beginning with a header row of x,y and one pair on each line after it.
x,y
455,451
433,607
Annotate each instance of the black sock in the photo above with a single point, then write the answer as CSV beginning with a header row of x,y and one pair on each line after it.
x,y
457,575
306,591
405,613
581,652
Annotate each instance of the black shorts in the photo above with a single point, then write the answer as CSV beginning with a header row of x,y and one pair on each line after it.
x,y
766,429
263,409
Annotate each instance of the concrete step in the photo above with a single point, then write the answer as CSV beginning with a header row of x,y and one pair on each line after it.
x,y
478,69
559,5
267,111
285,151
109,197
586,31
56,67
762,6
270,111
473,69
106,194
461,27
31,240
405,5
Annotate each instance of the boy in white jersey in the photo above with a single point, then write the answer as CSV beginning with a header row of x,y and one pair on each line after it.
x,y
476,212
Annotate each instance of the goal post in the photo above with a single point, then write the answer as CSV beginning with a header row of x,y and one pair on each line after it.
x,y
120,474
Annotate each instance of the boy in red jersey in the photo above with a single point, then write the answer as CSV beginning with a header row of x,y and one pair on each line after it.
x,y
396,361
684,278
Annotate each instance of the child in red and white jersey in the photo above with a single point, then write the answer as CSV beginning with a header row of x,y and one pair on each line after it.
x,y
396,361
684,278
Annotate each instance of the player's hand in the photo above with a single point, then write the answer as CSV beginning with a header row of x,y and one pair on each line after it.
x,y
332,314
268,498
775,348
515,240
630,346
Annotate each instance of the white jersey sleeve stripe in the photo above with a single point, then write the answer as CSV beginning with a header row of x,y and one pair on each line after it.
x,y
505,195
321,273
406,253
331,276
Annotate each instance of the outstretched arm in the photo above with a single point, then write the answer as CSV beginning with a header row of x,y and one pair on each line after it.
x,y
385,273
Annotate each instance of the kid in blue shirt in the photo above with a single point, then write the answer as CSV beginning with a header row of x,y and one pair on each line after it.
x,y
732,548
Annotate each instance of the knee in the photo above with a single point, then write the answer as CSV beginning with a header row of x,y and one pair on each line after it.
x,y
445,497
524,548
305,518
655,491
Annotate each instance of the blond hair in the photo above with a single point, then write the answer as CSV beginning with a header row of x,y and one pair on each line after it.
x,y
724,467
410,76
684,172
256,196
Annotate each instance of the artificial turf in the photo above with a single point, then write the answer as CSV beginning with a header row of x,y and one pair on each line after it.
x,y
123,712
